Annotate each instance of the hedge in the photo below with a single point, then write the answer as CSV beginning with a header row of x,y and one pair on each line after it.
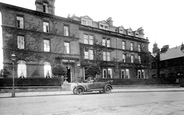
x,y
31,82
141,81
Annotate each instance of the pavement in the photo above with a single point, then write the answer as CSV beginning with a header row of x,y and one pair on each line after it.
x,y
115,90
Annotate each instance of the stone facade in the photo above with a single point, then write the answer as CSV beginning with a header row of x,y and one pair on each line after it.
x,y
40,40
33,53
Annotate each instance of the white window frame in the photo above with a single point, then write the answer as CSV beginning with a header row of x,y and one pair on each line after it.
x,y
67,47
46,45
108,56
22,69
127,75
108,42
104,56
123,45
123,58
109,73
91,39
46,27
20,42
143,74
91,56
47,70
86,39
139,76
20,22
103,41
139,48
132,58
86,54
66,30
131,46
139,58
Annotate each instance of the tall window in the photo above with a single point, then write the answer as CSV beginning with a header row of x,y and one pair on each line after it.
x,y
107,73
20,42
88,54
106,42
139,48
123,45
123,57
88,39
91,54
47,70
132,58
45,7
140,74
106,56
91,40
139,58
127,76
103,42
66,30
122,73
67,47
131,46
46,27
104,74
22,72
20,22
46,45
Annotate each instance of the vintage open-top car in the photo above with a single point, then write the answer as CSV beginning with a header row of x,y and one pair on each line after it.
x,y
102,87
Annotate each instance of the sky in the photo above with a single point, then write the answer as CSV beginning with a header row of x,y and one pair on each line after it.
x,y
162,20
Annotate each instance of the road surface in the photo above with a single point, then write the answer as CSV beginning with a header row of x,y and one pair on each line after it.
x,y
139,103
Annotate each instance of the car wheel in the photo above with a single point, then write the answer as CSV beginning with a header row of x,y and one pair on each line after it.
x,y
79,91
107,89
75,90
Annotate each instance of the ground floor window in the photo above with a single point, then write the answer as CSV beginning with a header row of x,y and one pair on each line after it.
x,y
107,73
47,70
22,71
141,74
125,74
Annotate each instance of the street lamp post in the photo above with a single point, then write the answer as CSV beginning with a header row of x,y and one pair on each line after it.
x,y
13,58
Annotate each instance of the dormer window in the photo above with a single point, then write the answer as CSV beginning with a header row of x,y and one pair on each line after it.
x,y
86,22
103,26
45,7
121,30
136,34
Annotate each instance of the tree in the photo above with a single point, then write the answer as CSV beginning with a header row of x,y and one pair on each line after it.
x,y
93,70
59,70
4,72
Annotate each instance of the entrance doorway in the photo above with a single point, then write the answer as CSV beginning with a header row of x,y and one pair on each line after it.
x,y
68,74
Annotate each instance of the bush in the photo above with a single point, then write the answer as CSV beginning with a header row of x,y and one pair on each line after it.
x,y
31,82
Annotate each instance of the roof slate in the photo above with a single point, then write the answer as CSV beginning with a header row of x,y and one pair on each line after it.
x,y
172,53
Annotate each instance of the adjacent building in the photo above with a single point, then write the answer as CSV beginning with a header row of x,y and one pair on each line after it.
x,y
40,40
170,64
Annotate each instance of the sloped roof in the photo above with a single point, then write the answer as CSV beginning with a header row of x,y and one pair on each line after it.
x,y
172,53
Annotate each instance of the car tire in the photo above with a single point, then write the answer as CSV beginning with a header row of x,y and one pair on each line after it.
x,y
75,90
79,90
107,89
